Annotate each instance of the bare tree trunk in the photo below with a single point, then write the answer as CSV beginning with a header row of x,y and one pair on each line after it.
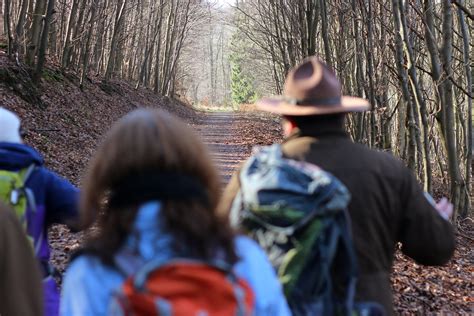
x,y
34,37
76,33
2,18
325,32
457,183
469,132
371,74
158,51
114,43
420,102
404,85
53,36
142,74
211,58
85,51
311,25
67,40
62,28
359,73
7,26
44,41
178,39
276,77
99,44
20,26
168,46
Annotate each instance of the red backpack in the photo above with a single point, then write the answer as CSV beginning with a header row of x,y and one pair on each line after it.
x,y
184,288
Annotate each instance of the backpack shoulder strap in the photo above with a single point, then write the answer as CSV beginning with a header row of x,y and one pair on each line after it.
x,y
235,209
30,197
237,205
348,243
27,173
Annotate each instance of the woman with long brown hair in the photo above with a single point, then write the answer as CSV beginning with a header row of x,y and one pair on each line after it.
x,y
153,191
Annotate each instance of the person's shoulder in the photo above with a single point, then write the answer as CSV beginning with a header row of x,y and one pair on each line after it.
x,y
86,265
80,273
243,244
380,159
54,180
83,265
89,271
248,250
253,263
88,286
255,268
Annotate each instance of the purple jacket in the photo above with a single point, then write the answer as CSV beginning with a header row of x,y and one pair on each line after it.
x,y
56,198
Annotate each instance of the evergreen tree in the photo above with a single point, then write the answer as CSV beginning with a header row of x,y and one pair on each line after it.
x,y
241,84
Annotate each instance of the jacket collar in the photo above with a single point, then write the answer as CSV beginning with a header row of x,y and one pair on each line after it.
x,y
328,132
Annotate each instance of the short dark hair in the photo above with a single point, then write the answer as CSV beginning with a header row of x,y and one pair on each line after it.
x,y
303,122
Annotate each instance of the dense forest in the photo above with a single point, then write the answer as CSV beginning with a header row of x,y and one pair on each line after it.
x,y
411,59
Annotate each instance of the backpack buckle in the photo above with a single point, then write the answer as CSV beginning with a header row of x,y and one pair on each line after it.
x,y
14,197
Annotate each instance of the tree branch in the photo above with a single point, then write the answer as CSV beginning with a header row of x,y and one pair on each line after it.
x,y
463,8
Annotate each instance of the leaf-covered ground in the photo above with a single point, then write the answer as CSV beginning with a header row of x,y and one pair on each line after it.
x,y
65,123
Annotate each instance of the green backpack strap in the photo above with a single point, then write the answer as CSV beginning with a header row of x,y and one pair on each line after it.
x,y
27,173
30,203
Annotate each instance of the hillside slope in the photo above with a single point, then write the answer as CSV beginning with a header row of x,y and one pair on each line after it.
x,y
65,123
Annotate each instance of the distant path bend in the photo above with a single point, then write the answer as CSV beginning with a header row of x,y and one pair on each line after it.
x,y
219,131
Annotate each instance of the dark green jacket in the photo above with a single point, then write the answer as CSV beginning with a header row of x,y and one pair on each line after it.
x,y
387,207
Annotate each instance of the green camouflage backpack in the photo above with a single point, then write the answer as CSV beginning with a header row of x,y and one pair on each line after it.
x,y
14,193
297,212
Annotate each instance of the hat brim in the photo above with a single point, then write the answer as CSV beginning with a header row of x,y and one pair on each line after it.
x,y
280,106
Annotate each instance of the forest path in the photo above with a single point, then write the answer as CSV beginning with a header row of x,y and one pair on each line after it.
x,y
219,131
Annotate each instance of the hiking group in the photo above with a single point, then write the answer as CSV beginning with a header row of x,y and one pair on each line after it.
x,y
306,227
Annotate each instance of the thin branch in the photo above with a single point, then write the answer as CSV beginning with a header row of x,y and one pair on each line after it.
x,y
463,8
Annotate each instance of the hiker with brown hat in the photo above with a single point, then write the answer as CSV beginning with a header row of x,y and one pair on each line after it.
x,y
387,205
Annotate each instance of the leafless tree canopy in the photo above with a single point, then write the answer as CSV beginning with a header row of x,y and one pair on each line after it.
x,y
138,40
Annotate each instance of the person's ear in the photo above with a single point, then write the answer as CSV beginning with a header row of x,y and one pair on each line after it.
x,y
288,126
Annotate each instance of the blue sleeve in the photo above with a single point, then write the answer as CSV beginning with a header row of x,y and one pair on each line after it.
x,y
77,292
62,199
87,288
255,267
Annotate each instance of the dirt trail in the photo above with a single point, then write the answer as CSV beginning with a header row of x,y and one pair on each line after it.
x,y
219,131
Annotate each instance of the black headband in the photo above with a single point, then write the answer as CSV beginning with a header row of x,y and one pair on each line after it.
x,y
145,186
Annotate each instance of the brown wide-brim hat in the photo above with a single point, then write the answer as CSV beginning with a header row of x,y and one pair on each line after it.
x,y
311,88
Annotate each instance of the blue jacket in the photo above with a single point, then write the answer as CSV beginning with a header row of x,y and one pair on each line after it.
x,y
89,285
56,198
